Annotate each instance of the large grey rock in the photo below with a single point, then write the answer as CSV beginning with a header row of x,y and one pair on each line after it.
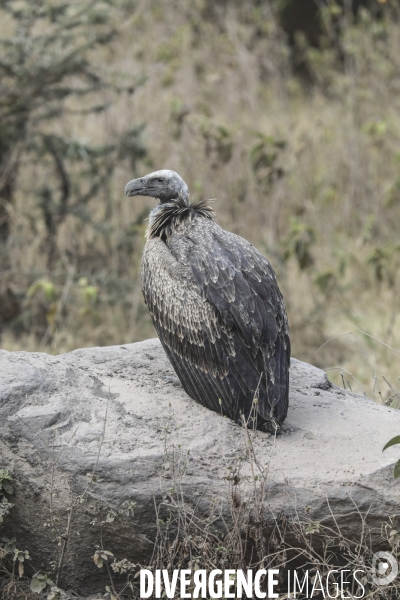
x,y
52,415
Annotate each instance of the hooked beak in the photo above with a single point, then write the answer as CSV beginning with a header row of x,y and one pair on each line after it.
x,y
136,187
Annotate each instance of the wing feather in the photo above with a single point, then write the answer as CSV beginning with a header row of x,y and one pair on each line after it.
x,y
220,315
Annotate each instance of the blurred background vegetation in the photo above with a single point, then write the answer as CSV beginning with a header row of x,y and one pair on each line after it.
x,y
287,112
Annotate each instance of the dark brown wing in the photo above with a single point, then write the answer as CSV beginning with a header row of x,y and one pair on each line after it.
x,y
221,318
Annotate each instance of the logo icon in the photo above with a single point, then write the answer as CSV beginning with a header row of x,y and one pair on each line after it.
x,y
384,568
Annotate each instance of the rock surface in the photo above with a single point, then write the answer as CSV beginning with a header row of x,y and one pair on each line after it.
x,y
54,433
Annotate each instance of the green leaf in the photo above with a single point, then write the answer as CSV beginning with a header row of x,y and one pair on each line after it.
x,y
8,488
396,471
98,561
36,585
48,288
313,527
392,442
54,593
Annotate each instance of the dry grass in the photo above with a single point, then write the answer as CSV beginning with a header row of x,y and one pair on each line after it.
x,y
308,172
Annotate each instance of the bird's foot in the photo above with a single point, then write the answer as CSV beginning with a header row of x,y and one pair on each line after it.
x,y
273,427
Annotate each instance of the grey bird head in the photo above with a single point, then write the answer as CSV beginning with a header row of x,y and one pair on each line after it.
x,y
165,185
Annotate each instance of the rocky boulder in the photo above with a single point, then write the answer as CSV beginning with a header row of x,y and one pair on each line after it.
x,y
103,423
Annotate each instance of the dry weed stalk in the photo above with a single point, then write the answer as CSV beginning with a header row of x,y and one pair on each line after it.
x,y
237,530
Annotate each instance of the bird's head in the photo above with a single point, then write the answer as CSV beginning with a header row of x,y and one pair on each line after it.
x,y
165,185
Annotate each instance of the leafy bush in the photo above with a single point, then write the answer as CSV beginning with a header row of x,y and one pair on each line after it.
x,y
50,73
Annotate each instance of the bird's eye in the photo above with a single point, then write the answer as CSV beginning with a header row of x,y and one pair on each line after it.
x,y
160,180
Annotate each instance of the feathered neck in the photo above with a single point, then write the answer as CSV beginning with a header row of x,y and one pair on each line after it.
x,y
165,217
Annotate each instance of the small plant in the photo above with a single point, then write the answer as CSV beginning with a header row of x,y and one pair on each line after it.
x,y
5,485
100,556
20,556
5,488
12,561
265,157
393,442
41,582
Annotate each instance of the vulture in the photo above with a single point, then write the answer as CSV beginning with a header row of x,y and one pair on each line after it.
x,y
216,306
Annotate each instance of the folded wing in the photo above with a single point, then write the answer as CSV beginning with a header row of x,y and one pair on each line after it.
x,y
220,315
